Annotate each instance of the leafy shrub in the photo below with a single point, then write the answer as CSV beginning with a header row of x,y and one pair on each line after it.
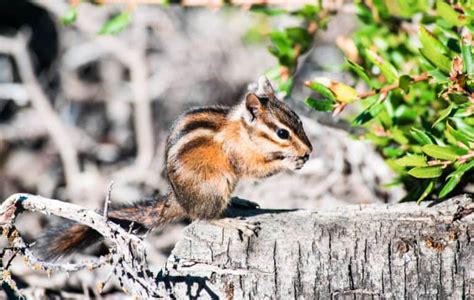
x,y
416,57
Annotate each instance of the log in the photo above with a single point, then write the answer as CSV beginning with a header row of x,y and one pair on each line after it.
x,y
356,252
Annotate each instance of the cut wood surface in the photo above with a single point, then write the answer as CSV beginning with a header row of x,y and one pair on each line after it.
x,y
374,251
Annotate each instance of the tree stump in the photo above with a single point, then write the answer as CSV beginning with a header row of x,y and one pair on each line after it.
x,y
372,251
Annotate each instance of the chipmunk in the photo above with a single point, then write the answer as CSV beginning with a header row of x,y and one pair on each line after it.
x,y
208,150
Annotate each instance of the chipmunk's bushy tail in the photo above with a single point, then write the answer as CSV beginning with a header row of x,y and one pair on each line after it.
x,y
71,237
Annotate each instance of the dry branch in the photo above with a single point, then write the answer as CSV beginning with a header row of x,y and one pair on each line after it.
x,y
128,255
18,49
134,59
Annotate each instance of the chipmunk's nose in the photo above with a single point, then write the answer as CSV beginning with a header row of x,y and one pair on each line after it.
x,y
305,157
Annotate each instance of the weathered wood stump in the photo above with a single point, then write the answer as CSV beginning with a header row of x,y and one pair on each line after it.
x,y
375,251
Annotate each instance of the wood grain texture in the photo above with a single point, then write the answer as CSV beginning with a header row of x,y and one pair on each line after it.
x,y
354,252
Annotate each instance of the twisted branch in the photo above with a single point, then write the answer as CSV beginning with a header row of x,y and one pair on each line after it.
x,y
128,254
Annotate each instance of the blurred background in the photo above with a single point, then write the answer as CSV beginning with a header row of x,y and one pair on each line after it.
x,y
81,110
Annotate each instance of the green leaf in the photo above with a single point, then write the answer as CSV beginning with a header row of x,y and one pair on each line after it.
x,y
362,118
116,24
70,16
434,50
360,71
320,105
445,11
392,152
267,10
421,137
444,114
321,88
458,135
464,127
438,76
343,92
399,137
387,69
404,8
463,112
285,86
333,90
405,113
404,83
412,160
426,172
282,45
308,12
450,185
453,45
377,140
369,113
458,98
467,56
440,152
299,36
463,169
426,192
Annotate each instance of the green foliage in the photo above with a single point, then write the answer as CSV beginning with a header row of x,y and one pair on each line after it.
x,y
420,112
70,16
113,25
288,44
116,24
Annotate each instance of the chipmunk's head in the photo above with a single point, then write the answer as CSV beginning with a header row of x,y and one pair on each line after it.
x,y
275,128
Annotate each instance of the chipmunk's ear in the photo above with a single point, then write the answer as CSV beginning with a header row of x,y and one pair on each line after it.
x,y
254,105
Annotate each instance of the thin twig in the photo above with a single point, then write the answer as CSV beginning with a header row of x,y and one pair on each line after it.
x,y
462,159
108,199
393,86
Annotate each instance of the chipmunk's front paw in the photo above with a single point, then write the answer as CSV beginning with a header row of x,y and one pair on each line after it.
x,y
237,202
243,227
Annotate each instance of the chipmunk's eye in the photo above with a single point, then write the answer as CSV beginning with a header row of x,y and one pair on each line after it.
x,y
283,134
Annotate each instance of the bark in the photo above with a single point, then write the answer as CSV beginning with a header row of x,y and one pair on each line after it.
x,y
354,252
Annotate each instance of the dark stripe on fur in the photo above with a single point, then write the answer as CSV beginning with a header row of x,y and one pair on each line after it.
x,y
197,142
174,137
191,126
211,109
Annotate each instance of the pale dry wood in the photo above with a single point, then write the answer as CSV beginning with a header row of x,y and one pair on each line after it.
x,y
128,255
355,252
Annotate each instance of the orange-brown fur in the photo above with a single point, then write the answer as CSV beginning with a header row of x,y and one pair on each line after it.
x,y
208,151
